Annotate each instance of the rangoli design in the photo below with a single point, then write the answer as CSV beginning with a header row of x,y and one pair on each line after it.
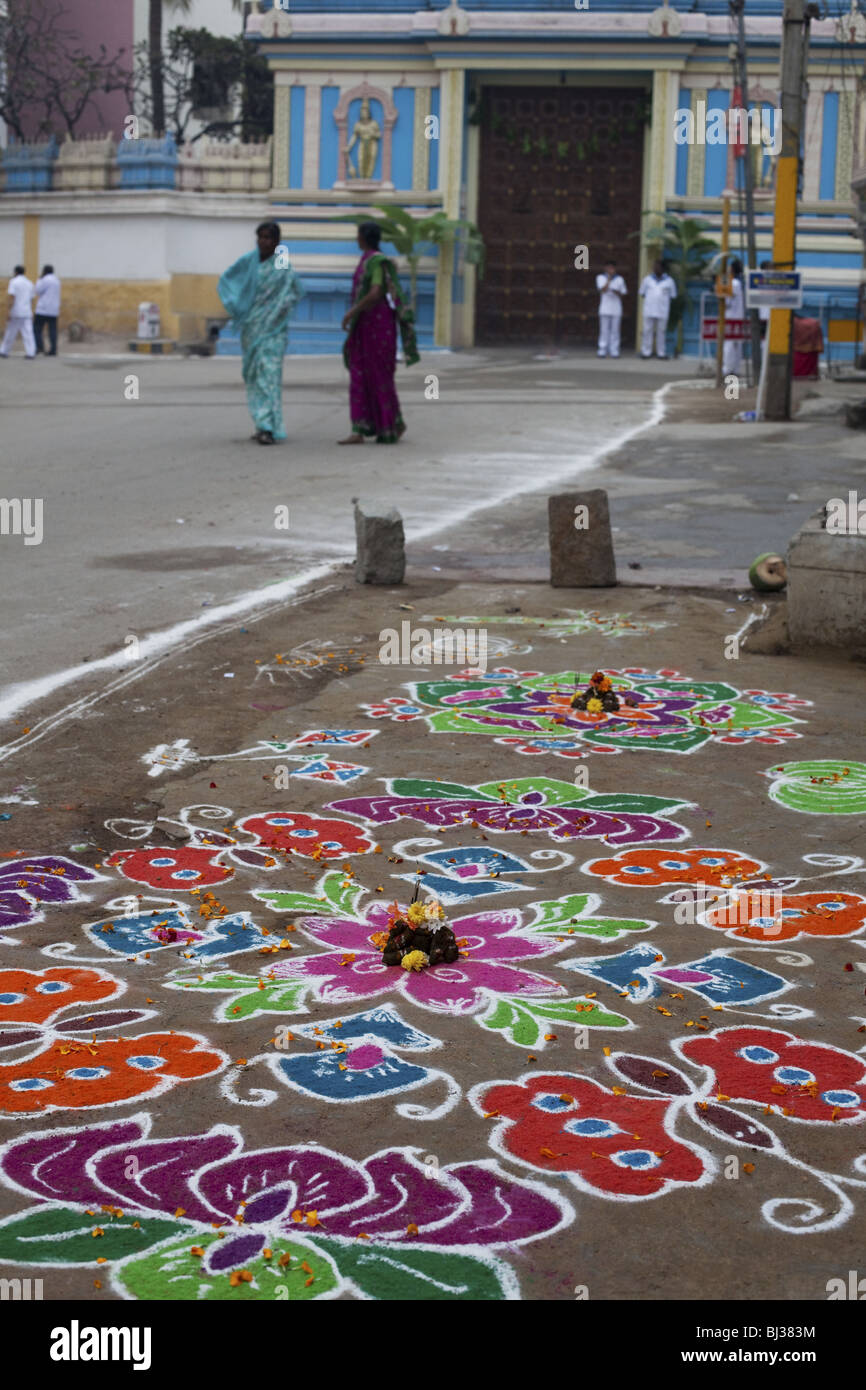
x,y
659,710
824,788
287,1004
177,1218
525,805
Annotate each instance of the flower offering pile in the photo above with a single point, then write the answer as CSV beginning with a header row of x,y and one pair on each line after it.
x,y
599,696
422,937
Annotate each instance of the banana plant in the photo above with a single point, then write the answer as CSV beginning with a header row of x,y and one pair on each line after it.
x,y
408,234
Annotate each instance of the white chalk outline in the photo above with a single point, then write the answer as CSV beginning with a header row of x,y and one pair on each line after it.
x,y
16,697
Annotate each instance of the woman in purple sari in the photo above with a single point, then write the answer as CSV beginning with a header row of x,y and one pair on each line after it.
x,y
370,351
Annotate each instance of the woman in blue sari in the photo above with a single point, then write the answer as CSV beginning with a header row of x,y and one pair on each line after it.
x,y
259,292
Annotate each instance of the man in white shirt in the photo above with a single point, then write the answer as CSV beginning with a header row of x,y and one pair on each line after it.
x,y
735,313
656,291
612,288
47,309
20,320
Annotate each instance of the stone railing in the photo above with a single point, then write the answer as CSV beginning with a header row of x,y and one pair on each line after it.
x,y
28,166
215,166
99,162
86,163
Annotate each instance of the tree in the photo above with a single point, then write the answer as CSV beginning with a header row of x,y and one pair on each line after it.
x,y
408,235
680,242
257,95
156,59
257,89
48,81
210,78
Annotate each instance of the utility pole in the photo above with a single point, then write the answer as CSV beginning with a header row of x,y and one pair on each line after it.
x,y
738,8
795,40
723,288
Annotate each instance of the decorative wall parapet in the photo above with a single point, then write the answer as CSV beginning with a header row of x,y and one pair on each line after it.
x,y
215,166
85,163
147,163
28,165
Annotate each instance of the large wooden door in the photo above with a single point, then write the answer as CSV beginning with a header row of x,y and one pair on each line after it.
x,y
560,167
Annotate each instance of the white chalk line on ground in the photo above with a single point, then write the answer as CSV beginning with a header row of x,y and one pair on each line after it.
x,y
582,464
182,636
174,640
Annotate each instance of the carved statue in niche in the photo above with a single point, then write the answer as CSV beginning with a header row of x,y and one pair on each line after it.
x,y
367,139
367,134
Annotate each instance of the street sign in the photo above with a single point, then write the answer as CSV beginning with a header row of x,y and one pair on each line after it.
x,y
774,289
735,329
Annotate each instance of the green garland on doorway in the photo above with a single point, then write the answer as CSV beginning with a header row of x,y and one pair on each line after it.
x,y
521,139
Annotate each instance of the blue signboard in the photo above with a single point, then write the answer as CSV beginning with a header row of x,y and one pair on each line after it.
x,y
774,289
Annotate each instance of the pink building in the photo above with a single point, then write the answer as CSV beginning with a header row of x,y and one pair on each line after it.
x,y
123,24
97,22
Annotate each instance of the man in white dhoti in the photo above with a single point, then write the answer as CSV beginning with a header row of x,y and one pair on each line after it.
x,y
20,320
657,290
612,288
735,313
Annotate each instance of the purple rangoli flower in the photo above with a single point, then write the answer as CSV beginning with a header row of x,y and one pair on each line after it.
x,y
389,1198
352,969
590,818
37,878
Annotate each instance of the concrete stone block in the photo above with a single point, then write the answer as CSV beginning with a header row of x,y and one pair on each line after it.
x,y
381,552
581,547
827,588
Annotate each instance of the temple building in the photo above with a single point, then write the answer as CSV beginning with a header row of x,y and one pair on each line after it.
x,y
551,125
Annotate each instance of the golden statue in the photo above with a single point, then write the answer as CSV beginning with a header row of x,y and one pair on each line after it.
x,y
366,133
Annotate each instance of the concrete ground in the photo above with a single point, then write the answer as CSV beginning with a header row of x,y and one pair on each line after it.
x,y
162,510
722,1161
173,508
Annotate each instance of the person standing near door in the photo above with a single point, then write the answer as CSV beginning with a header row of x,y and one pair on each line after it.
x,y
47,309
612,288
20,320
657,290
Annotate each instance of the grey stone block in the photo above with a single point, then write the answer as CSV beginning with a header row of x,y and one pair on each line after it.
x,y
581,547
827,588
769,636
381,552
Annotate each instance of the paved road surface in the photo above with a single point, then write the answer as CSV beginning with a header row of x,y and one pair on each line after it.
x,y
158,508
158,512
